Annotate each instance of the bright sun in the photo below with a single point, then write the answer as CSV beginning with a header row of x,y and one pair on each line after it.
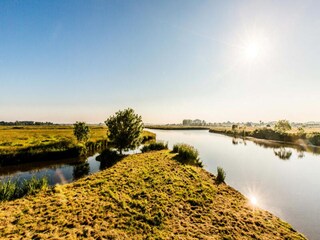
x,y
252,50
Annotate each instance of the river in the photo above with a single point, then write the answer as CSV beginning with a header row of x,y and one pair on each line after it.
x,y
279,178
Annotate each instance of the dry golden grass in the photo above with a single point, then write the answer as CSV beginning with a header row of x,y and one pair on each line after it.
x,y
144,196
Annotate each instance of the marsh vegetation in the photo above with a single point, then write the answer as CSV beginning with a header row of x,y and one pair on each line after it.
x,y
13,189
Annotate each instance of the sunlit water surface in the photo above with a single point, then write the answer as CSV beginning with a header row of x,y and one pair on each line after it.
x,y
278,178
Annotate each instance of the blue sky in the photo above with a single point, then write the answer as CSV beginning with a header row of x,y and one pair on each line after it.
x,y
65,61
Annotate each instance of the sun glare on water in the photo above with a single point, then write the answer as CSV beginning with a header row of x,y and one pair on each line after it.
x,y
253,200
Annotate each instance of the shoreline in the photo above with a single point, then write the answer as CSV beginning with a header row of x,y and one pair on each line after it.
x,y
53,150
300,143
166,198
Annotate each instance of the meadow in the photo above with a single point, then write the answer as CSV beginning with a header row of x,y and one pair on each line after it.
x,y
13,138
149,195
28,143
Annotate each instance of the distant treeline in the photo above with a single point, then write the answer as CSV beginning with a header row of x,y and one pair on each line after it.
x,y
24,123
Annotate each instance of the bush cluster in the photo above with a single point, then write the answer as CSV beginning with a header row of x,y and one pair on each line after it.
x,y
314,138
154,146
187,154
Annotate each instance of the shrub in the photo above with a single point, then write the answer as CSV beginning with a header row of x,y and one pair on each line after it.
x,y
314,138
270,134
154,146
187,154
221,176
282,126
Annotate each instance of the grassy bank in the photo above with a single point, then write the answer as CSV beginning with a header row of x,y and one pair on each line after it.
x,y
37,143
308,137
143,195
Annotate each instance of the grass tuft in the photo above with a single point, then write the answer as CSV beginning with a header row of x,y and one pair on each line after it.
x,y
154,146
221,176
10,190
187,154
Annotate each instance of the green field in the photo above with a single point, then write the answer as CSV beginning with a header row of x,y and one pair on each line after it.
x,y
31,141
144,196
17,138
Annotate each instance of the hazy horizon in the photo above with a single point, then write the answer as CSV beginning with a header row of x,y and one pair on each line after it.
x,y
241,61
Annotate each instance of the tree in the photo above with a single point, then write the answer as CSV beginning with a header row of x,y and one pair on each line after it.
x,y
282,126
301,131
124,130
81,131
234,127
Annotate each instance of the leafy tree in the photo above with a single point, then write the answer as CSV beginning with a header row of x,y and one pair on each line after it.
x,y
124,129
81,131
282,126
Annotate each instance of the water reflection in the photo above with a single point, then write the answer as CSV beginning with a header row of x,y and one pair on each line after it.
x,y
280,149
81,170
108,158
300,153
301,146
289,189
236,141
282,153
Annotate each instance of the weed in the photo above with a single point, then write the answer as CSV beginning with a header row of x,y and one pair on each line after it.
x,y
221,176
187,154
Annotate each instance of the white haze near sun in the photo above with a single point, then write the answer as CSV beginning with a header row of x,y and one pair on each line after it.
x,y
268,68
217,61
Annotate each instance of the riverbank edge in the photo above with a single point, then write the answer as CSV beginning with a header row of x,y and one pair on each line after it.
x,y
299,142
156,204
61,150
39,153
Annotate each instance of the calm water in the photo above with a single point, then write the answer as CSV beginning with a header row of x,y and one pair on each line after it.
x,y
62,171
284,180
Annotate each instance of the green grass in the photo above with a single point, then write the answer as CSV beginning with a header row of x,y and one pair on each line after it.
x,y
159,145
10,190
143,196
187,154
35,143
221,175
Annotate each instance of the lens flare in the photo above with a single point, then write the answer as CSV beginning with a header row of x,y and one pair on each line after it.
x,y
253,200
